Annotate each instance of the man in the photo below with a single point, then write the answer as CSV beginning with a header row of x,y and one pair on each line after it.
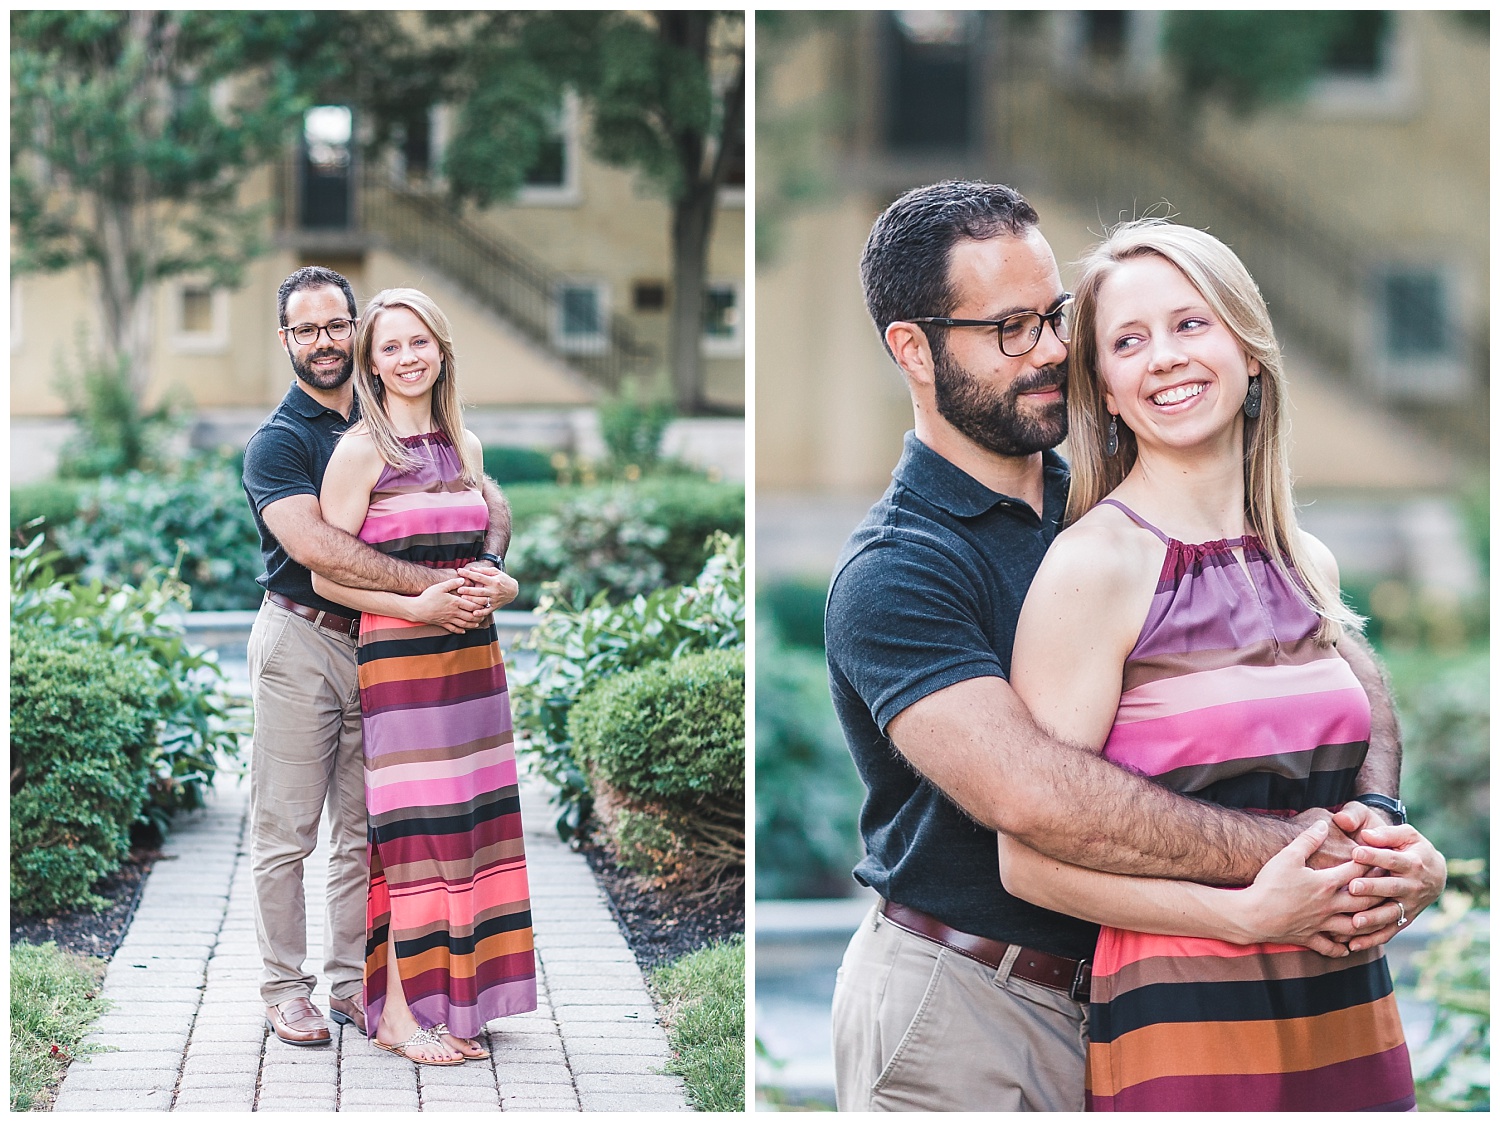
x,y
954,995
307,743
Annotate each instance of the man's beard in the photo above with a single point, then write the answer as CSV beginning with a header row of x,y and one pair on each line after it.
x,y
324,379
995,420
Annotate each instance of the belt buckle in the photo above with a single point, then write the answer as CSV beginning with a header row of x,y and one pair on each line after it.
x,y
1079,991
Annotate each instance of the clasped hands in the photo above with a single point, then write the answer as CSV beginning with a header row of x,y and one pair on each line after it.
x,y
1348,881
466,599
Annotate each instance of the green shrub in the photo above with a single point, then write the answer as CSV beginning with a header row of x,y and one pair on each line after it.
x,y
665,749
83,726
621,539
1446,767
796,611
808,794
131,524
1453,974
200,721
53,1004
578,648
632,423
54,501
506,465
671,730
114,434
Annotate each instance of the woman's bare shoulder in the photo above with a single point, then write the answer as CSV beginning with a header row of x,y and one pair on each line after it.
x,y
355,454
1104,553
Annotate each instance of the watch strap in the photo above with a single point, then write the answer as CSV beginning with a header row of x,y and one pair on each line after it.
x,y
498,562
1394,807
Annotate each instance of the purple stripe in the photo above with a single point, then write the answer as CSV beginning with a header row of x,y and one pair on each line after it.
x,y
439,726
1381,1081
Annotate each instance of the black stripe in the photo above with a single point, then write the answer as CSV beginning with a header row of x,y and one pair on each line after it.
x,y
449,824
445,643
464,945
1264,790
1267,999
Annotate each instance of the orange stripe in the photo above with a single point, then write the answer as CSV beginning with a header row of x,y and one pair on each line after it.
x,y
412,668
1115,952
1244,1047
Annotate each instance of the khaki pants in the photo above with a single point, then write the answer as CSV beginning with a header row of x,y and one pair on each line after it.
x,y
919,1027
307,754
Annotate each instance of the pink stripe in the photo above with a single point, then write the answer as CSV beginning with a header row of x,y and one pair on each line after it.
x,y
437,726
425,906
1170,696
381,526
381,778
1118,949
439,792
1240,731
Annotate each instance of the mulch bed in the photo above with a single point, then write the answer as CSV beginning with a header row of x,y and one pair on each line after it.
x,y
658,926
92,933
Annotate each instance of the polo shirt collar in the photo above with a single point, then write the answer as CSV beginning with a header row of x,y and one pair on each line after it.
x,y
308,406
950,488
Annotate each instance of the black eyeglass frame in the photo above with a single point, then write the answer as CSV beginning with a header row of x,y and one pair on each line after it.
x,y
318,330
1054,317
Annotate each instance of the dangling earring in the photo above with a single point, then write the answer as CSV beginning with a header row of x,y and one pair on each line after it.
x,y
1252,399
1112,438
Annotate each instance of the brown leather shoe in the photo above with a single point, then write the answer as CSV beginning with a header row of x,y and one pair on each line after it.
x,y
297,1021
349,1011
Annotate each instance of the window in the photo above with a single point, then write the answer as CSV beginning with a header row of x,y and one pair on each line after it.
x,y
553,179
1418,337
723,331
581,325
649,296
200,318
1370,67
930,80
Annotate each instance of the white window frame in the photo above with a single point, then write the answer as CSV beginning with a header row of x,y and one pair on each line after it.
x,y
213,341
573,344
1441,377
727,346
568,193
1393,92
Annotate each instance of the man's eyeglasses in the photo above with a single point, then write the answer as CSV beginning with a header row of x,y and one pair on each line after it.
x,y
1019,333
307,334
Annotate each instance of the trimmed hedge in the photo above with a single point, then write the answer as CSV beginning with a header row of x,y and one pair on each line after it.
x,y
83,728
665,748
505,464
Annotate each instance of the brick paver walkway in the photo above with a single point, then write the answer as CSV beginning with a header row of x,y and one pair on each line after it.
x,y
187,1030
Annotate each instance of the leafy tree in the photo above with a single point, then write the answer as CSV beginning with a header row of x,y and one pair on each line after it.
x,y
665,91
1251,59
131,135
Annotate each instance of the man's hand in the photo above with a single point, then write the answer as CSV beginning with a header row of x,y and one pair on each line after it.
x,y
1337,848
1410,871
491,587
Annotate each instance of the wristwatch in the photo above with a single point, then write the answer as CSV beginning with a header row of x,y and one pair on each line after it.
x,y
493,560
1394,807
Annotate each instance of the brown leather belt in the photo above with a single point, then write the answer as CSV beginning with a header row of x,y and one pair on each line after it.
x,y
1066,975
344,625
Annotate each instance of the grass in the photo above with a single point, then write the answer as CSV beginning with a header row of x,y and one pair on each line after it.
x,y
703,996
52,1005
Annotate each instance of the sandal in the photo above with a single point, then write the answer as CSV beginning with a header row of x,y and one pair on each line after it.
x,y
418,1038
480,1053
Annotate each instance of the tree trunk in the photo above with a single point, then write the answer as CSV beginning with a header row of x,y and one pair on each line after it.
x,y
692,224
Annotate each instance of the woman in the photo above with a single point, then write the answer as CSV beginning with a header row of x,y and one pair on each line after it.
x,y
1211,667
449,943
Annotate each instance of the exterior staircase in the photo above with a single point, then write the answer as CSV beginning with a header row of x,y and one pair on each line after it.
x,y
1120,155
419,224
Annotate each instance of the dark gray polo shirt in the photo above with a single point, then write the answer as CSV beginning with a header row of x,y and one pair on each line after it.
x,y
925,595
287,456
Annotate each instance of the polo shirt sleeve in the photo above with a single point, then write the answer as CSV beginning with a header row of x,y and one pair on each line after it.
x,y
902,623
277,466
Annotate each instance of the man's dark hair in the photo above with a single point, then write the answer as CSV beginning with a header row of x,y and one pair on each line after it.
x,y
904,267
313,276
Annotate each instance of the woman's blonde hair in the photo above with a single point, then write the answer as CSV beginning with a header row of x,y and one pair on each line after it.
x,y
1222,279
447,409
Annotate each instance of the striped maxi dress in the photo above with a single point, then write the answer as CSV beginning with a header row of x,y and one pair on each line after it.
x,y
1227,698
447,866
